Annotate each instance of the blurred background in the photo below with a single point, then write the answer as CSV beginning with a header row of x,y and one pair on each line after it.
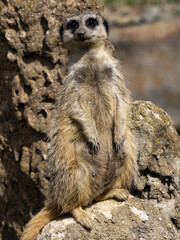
x,y
146,35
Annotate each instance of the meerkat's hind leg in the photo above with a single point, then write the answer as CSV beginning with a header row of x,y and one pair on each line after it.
x,y
128,170
82,217
116,193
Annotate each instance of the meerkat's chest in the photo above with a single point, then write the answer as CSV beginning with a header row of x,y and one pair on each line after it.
x,y
97,90
99,81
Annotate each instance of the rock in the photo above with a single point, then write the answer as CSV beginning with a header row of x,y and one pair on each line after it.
x,y
158,157
131,220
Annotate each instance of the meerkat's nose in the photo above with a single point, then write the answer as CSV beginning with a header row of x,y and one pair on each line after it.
x,y
81,35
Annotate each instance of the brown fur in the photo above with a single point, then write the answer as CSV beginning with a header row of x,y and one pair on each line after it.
x,y
93,110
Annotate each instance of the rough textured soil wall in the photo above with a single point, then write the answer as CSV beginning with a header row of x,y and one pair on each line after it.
x,y
30,76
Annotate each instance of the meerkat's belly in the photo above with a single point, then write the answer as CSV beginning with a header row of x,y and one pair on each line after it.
x,y
100,106
101,166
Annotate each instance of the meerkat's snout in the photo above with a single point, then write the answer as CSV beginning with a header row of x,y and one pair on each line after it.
x,y
81,35
83,30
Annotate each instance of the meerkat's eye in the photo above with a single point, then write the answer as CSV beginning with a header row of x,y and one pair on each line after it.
x,y
91,22
72,25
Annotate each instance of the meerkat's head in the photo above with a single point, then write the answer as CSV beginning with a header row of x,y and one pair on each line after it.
x,y
83,30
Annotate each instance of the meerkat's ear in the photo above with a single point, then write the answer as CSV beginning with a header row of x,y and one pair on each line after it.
x,y
106,25
61,32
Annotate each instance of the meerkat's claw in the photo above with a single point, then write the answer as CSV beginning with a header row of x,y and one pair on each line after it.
x,y
94,146
119,146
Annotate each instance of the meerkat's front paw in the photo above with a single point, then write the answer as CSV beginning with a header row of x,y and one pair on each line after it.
x,y
119,145
94,145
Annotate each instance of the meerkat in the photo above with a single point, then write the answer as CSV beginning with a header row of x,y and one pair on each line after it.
x,y
92,153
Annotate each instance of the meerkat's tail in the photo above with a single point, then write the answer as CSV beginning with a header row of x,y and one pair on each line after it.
x,y
35,225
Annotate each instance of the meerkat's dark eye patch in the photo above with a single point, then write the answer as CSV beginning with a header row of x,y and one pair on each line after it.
x,y
91,22
72,25
105,23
